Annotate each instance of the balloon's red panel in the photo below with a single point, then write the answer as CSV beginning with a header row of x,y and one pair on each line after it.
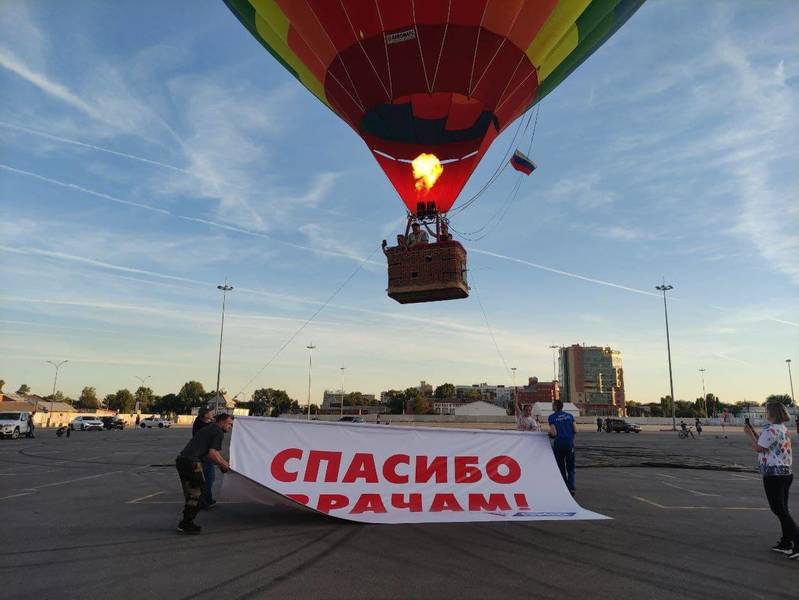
x,y
431,77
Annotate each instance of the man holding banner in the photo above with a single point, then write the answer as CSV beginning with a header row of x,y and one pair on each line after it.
x,y
562,428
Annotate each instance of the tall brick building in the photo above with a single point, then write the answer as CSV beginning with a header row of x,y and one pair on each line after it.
x,y
592,378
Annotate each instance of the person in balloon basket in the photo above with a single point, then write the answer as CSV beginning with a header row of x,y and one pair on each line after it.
x,y
206,443
417,235
562,430
775,459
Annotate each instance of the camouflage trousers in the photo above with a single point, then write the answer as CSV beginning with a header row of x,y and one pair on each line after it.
x,y
192,482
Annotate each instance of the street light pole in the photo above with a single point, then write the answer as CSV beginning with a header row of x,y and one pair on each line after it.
x,y
310,348
665,288
554,362
342,390
225,289
141,382
704,394
55,379
515,391
790,378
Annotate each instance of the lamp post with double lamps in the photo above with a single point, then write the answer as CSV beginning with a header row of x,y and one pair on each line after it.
x,y
515,392
225,289
704,394
310,348
554,349
790,378
665,288
342,369
55,380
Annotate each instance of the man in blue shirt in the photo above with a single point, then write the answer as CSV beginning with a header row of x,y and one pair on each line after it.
x,y
562,428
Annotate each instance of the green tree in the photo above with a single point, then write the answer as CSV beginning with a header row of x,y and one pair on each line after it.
x,y
122,401
395,400
445,390
265,400
2,383
685,408
88,398
420,404
274,402
169,404
145,397
474,395
655,409
24,389
782,398
665,405
192,394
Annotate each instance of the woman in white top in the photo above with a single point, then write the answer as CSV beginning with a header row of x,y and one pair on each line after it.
x,y
773,447
524,418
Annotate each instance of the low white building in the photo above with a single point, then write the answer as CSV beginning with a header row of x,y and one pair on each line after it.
x,y
542,410
479,408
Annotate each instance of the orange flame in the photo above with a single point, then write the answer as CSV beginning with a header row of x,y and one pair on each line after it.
x,y
426,170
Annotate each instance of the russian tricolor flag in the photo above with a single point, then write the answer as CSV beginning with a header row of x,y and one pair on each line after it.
x,y
520,162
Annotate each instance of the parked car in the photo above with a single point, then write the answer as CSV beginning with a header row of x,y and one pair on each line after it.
x,y
154,422
86,423
351,419
113,422
620,425
14,424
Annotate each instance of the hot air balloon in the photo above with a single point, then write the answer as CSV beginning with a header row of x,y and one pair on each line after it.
x,y
428,85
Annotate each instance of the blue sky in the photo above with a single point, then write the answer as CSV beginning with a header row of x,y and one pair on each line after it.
x,y
150,150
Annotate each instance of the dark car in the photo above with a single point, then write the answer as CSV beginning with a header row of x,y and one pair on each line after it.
x,y
620,425
351,419
112,423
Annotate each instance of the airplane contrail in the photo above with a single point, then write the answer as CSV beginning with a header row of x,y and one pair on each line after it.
x,y
64,140
610,283
206,222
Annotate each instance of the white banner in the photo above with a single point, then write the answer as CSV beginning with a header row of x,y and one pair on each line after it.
x,y
384,474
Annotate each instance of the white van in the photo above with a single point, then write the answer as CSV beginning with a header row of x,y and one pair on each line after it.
x,y
14,424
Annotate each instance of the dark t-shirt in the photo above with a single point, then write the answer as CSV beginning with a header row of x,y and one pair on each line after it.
x,y
205,439
198,424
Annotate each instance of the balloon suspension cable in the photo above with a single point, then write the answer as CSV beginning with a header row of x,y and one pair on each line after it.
x,y
473,284
499,215
309,320
497,172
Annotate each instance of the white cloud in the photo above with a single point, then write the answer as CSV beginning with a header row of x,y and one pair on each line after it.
x,y
52,88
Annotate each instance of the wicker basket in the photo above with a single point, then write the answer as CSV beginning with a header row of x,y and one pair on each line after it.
x,y
427,272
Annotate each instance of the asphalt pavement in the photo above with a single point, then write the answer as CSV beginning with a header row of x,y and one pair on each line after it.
x,y
94,516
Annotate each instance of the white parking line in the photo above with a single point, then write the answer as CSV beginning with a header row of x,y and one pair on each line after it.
x,y
670,507
137,500
685,489
749,477
17,495
47,485
664,507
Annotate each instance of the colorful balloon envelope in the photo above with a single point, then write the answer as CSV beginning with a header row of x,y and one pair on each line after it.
x,y
429,84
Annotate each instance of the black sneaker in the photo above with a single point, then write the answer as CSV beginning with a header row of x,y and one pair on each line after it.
x,y
205,506
783,548
794,555
189,528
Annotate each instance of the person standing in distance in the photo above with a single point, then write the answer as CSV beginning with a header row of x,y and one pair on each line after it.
x,y
524,417
775,459
562,429
206,443
205,416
